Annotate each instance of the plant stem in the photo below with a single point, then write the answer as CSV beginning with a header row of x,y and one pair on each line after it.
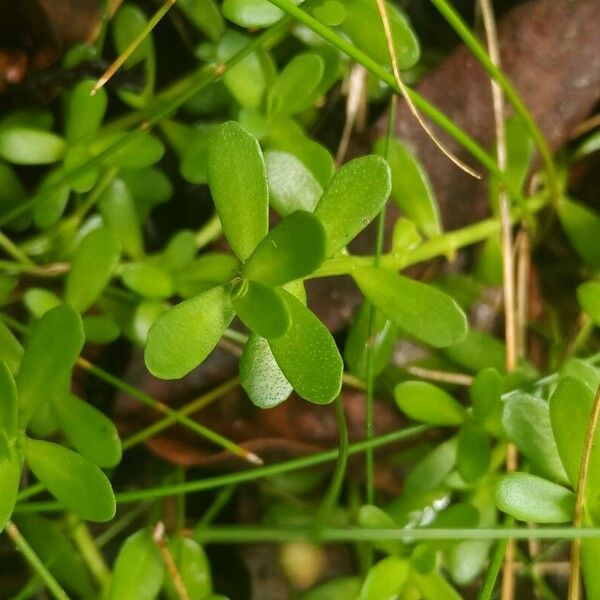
x,y
216,506
574,578
463,31
493,570
243,476
15,252
34,561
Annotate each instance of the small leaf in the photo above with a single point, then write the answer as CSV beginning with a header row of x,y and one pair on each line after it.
x,y
584,371
533,499
342,587
486,394
23,146
205,272
10,478
431,470
293,89
385,579
39,301
570,410
526,420
140,152
74,480
50,353
9,402
100,329
582,226
260,309
354,196
84,112
205,15
411,188
291,185
51,543
363,26
261,376
92,265
184,336
360,343
90,432
588,295
292,249
11,351
477,351
590,559
193,567
148,280
180,251
434,587
139,570
238,182
373,517
473,454
307,354
418,309
428,403
253,13
118,211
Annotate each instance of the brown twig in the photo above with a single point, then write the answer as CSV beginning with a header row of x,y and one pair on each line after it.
x,y
441,376
588,444
158,537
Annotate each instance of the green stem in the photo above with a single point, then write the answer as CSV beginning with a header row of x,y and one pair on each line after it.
x,y
216,506
34,561
382,73
209,232
15,252
199,80
463,31
242,476
496,561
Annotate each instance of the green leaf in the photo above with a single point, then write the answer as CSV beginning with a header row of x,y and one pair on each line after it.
x,y
180,251
261,376
205,272
253,13
486,394
23,146
118,211
584,371
588,295
431,470
428,403
11,351
193,567
294,248
570,409
92,266
342,587
411,188
52,544
50,207
477,351
582,226
84,112
473,454
90,432
373,517
360,343
148,280
9,402
100,329
260,309
39,301
590,558
385,579
294,88
205,15
354,196
238,182
139,570
363,26
246,81
418,309
307,354
434,587
74,480
526,420
10,477
184,336
138,153
291,184
50,353
533,499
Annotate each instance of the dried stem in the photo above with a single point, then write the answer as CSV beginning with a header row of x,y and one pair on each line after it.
x,y
588,444
441,376
404,91
355,102
158,537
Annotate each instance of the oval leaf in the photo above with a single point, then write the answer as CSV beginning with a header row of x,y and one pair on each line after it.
x,y
426,402
261,376
588,295
193,567
9,402
184,336
307,354
385,579
354,196
10,477
253,13
74,480
418,309
260,309
473,454
148,280
533,499
237,178
50,353
139,569
24,146
582,226
91,268
84,112
291,250
90,432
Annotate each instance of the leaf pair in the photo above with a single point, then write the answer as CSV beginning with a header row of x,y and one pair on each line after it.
x,y
42,381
